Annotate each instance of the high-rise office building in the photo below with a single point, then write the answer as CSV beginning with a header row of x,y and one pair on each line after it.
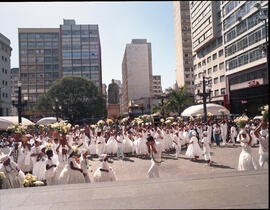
x,y
157,90
137,74
48,54
207,48
39,60
183,45
245,55
14,77
5,98
81,53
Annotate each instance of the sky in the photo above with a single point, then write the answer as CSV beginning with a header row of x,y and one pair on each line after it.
x,y
119,23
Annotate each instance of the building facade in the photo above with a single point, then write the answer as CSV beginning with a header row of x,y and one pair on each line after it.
x,y
183,45
14,75
5,90
81,52
245,56
39,60
137,74
157,90
48,54
208,49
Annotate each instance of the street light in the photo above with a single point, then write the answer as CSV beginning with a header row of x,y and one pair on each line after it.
x,y
162,96
20,103
264,17
57,108
204,94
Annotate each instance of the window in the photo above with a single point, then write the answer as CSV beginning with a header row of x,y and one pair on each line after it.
x,y
221,66
209,59
215,56
203,63
186,62
199,65
216,92
186,55
215,68
209,71
187,69
216,80
222,78
187,75
220,53
222,91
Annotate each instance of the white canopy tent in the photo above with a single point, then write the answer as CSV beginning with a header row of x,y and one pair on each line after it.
x,y
47,120
5,122
198,109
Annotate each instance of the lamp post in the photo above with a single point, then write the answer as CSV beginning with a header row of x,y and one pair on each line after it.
x,y
20,103
162,96
56,108
204,95
264,17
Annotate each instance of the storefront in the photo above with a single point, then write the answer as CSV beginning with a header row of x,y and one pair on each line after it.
x,y
248,91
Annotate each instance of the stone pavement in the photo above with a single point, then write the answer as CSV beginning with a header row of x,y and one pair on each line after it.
x,y
230,190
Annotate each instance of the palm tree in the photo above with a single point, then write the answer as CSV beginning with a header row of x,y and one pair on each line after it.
x,y
179,100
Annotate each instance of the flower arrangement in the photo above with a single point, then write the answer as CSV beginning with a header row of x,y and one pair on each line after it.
x,y
265,113
93,127
64,127
48,146
170,118
31,181
109,122
82,130
179,119
100,124
209,115
124,121
162,120
199,117
134,122
17,128
241,121
222,111
174,123
2,177
168,122
191,118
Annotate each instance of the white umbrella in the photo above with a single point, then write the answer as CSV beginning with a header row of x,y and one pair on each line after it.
x,y
198,109
47,120
14,119
4,124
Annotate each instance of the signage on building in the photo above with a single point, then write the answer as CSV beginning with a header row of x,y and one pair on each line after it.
x,y
244,102
247,84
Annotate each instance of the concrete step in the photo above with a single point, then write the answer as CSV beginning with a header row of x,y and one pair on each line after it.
x,y
234,190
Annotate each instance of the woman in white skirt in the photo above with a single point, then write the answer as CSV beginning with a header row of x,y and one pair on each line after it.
x,y
50,168
246,160
193,150
206,147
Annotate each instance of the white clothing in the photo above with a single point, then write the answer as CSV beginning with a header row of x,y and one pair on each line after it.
x,y
104,176
153,171
193,148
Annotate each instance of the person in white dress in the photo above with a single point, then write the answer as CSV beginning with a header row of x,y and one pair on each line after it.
x,y
155,150
246,160
262,134
100,144
119,139
233,134
85,166
24,160
224,131
14,176
206,147
50,168
193,150
104,173
177,144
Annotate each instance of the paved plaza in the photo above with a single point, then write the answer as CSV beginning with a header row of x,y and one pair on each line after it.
x,y
183,184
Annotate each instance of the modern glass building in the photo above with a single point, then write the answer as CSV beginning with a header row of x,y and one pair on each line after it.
x,y
81,53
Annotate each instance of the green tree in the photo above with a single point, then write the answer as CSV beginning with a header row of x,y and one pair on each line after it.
x,y
179,100
78,97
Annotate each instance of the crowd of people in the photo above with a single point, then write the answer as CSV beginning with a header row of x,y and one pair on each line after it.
x,y
55,157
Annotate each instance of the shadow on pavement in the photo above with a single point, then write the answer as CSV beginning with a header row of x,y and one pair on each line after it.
x,y
220,166
128,159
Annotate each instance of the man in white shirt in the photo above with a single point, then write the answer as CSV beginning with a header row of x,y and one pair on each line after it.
x,y
177,142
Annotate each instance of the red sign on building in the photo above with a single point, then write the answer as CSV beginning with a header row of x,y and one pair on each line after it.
x,y
253,83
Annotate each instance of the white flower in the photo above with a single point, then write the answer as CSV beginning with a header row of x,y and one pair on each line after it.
x,y
2,175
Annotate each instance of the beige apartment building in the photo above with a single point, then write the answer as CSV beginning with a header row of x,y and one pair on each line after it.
x,y
208,52
245,56
183,45
137,75
157,90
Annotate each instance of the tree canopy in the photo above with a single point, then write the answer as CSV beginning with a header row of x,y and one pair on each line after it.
x,y
78,97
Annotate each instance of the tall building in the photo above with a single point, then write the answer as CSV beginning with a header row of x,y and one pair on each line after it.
x,y
137,74
157,90
81,53
118,82
104,89
48,54
14,75
207,49
5,98
245,56
183,45
39,60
